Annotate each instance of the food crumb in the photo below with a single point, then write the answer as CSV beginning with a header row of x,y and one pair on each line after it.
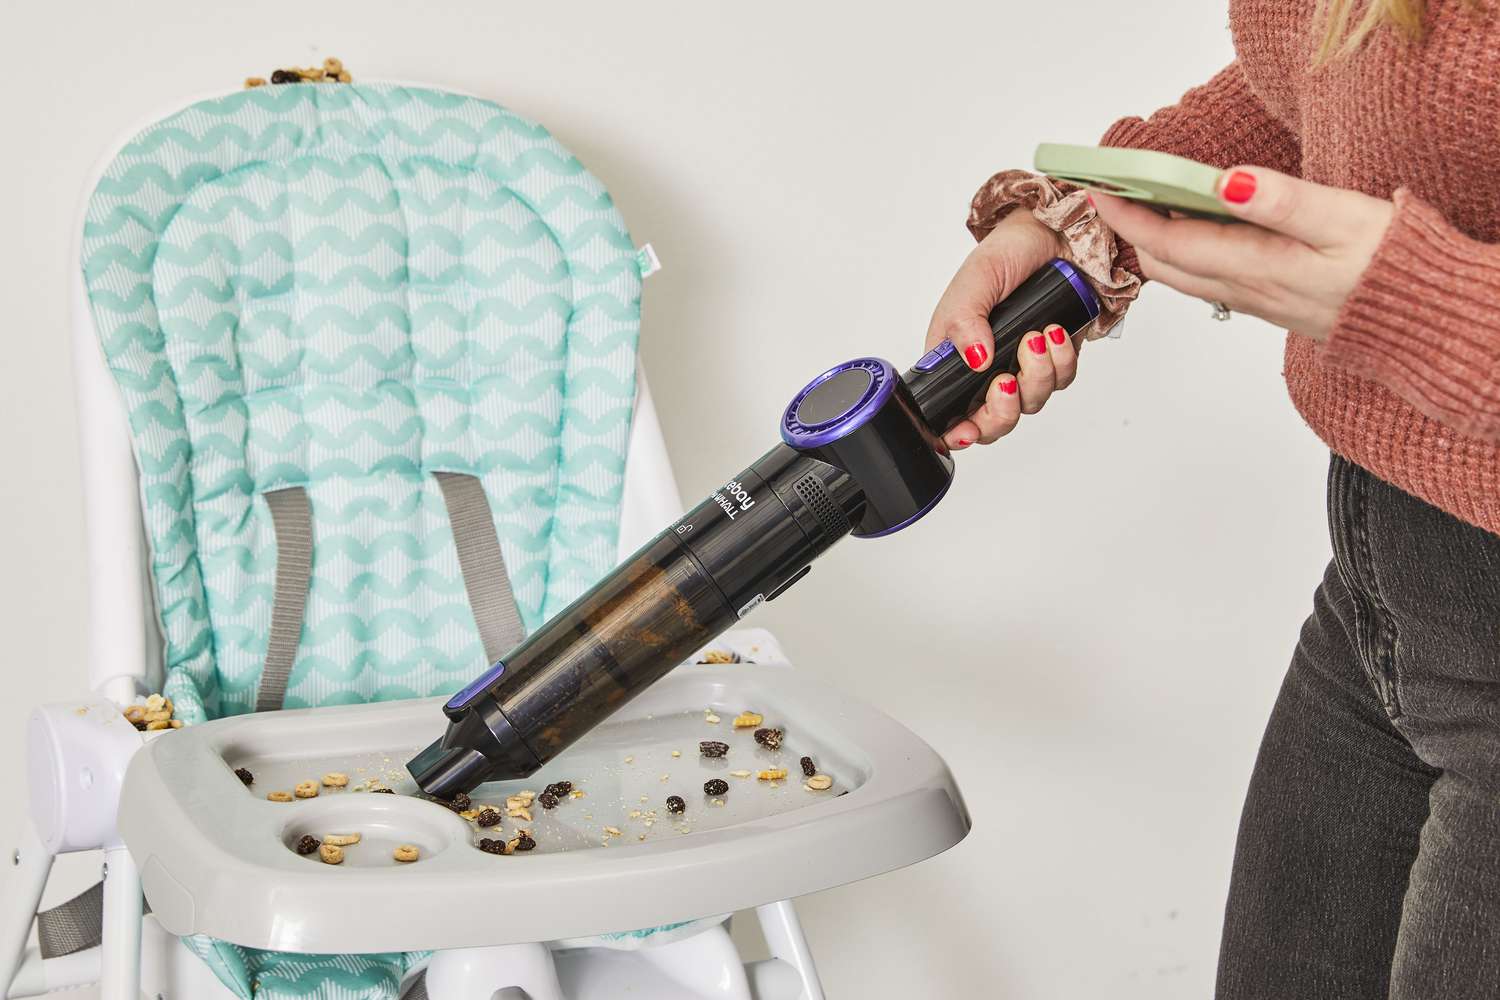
x,y
576,793
341,839
711,718
739,774
335,779
676,753
491,817
548,800
489,846
385,791
808,767
244,775
630,760
613,831
559,789
748,720
772,774
818,783
331,854
713,748
676,804
306,790
279,796
769,738
308,844
715,786
406,853
523,842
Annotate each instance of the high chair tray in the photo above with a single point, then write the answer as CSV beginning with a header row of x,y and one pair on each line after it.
x,y
217,857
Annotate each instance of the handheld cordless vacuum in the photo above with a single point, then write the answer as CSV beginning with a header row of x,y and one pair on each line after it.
x,y
861,454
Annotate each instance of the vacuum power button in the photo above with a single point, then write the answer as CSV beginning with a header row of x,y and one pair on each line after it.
x,y
934,357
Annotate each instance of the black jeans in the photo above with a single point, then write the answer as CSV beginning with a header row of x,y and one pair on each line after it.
x,y
1368,861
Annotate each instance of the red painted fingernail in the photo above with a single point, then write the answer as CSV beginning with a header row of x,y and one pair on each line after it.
x,y
1057,334
1090,196
961,443
1239,187
1009,387
1037,345
974,356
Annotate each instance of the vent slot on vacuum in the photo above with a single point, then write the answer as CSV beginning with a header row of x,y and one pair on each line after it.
x,y
813,493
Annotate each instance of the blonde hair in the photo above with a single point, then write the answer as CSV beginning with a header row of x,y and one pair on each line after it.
x,y
1339,39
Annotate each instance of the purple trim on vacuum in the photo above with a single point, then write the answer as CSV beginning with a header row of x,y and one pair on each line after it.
x,y
1090,302
474,687
915,517
882,383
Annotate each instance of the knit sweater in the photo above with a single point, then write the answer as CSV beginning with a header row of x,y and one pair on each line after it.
x,y
1408,382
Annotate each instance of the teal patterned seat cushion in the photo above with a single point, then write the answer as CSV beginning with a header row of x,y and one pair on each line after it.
x,y
348,289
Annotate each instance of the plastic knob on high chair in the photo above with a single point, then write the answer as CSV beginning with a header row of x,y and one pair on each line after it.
x,y
482,973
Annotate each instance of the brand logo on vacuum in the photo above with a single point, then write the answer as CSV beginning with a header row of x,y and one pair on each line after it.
x,y
734,499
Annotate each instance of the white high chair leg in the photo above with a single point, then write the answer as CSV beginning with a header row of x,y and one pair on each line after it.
x,y
784,938
120,949
29,865
484,973
706,962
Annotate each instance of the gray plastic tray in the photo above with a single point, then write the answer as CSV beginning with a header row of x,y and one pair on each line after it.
x,y
216,856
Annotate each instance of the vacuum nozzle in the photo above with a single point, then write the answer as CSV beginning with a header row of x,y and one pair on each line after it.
x,y
445,771
479,745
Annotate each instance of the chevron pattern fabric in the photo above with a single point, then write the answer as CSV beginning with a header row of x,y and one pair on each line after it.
x,y
349,288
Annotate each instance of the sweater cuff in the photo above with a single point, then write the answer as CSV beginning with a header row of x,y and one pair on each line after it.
x,y
1421,320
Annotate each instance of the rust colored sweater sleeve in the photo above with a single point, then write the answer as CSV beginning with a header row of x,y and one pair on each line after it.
x,y
1422,320
1220,123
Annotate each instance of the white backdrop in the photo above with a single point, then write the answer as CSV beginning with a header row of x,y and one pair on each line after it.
x,y
1091,628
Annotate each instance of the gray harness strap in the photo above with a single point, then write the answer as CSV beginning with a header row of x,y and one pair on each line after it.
x,y
291,517
72,926
483,566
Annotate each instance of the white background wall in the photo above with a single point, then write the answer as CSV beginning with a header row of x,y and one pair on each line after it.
x,y
1091,628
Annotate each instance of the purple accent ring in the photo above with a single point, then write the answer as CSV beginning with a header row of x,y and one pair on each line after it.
x,y
1085,293
882,383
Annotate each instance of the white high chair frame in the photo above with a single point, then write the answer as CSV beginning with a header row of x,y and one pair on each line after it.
x,y
75,768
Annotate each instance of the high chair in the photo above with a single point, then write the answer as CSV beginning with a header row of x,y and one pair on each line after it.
x,y
359,407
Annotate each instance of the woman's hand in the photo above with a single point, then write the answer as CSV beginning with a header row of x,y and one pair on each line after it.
x,y
1294,267
1048,360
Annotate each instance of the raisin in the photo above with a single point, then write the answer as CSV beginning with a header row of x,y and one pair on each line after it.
x,y
715,786
676,805
769,738
460,803
808,767
713,748
548,800
308,844
524,841
285,76
560,789
384,791
244,775
488,817
489,846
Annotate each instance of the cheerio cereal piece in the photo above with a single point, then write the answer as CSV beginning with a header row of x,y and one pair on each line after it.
x,y
155,703
341,839
818,783
306,790
406,853
331,854
335,779
254,81
279,796
333,65
772,774
748,720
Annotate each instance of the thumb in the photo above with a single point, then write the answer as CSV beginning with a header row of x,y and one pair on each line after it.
x,y
1307,212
